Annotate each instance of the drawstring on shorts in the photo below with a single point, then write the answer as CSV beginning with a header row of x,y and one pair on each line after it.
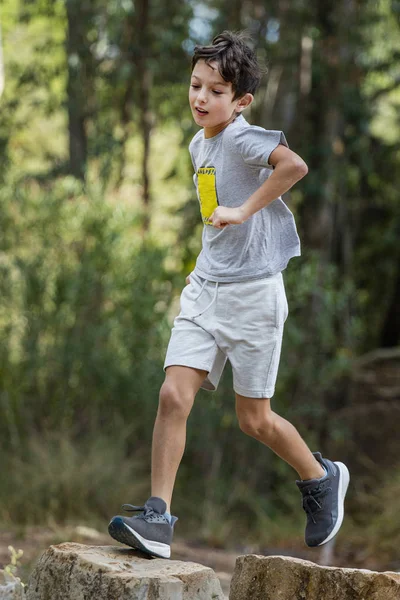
x,y
212,301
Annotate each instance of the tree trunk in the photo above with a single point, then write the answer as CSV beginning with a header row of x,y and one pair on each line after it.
x,y
76,98
144,77
317,211
391,327
138,43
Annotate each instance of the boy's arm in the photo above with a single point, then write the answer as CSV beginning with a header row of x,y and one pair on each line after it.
x,y
289,168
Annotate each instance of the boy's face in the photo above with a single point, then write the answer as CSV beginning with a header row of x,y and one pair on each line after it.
x,y
211,98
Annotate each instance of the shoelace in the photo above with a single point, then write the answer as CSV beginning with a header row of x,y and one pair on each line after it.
x,y
310,500
148,511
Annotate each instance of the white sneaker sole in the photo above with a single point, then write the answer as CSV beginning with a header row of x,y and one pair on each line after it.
x,y
344,480
157,548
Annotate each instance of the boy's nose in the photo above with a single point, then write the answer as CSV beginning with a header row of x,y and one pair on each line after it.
x,y
202,97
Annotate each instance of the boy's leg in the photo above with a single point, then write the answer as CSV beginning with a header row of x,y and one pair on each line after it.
x,y
258,420
152,530
323,483
169,435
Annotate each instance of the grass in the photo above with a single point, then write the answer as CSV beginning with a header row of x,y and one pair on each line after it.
x,y
57,479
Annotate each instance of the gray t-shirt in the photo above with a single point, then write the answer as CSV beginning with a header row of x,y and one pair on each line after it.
x,y
229,168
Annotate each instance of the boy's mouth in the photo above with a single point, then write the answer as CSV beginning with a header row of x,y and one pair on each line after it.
x,y
200,111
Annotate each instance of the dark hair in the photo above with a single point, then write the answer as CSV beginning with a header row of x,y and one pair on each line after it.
x,y
237,62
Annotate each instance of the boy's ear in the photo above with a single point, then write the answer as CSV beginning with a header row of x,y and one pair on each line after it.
x,y
244,102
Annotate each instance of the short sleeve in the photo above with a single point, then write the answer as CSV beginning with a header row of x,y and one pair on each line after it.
x,y
194,165
192,159
255,144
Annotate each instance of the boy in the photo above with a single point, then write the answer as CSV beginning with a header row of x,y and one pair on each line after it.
x,y
234,304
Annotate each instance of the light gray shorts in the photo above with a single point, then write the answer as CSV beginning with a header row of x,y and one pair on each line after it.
x,y
242,321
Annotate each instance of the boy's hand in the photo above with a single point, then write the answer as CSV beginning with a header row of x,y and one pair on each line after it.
x,y
188,280
223,216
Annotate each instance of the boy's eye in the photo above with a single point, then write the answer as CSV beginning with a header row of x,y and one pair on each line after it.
x,y
194,86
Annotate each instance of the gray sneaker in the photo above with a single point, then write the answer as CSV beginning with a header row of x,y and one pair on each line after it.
x,y
323,501
150,531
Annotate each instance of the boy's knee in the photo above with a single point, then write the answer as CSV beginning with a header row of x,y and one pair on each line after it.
x,y
257,426
174,401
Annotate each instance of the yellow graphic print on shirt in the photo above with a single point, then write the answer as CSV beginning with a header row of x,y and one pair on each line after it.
x,y
207,189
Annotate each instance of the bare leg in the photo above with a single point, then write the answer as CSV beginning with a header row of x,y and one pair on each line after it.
x,y
169,435
258,420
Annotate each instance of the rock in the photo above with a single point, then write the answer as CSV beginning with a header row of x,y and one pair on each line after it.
x,y
74,572
285,578
11,587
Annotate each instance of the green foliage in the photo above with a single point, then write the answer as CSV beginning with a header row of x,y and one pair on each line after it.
x,y
14,564
31,122
324,332
78,297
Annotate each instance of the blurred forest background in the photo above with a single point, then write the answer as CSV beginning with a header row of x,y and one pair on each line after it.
x,y
100,226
